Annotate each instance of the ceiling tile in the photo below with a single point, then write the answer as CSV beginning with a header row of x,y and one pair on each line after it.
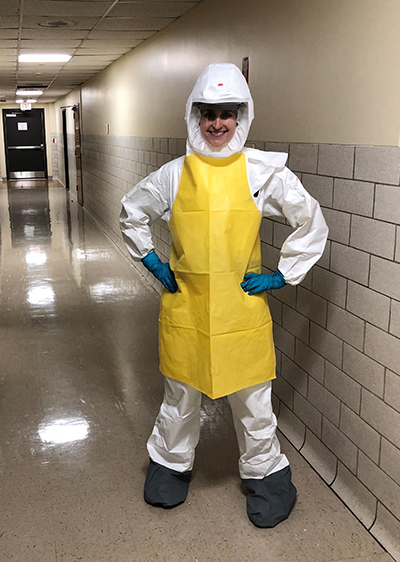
x,y
115,55
41,67
48,50
25,83
9,7
74,81
110,43
131,24
8,43
79,60
9,21
121,34
32,72
37,79
60,8
72,77
81,23
49,34
45,44
8,33
105,50
83,69
151,9
57,91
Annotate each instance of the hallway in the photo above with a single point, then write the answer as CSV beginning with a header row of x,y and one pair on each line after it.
x,y
79,390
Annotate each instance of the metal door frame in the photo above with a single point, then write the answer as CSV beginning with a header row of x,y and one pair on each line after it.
x,y
20,112
65,142
78,152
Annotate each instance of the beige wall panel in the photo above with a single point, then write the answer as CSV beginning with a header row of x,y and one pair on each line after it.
x,y
319,71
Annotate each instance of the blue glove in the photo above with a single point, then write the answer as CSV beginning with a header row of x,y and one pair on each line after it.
x,y
161,271
256,282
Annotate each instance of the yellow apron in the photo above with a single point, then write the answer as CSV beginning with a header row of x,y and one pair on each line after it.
x,y
214,336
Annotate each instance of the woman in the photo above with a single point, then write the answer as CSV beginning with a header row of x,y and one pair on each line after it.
x,y
215,328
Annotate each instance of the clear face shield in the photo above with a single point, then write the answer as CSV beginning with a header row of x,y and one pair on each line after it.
x,y
218,123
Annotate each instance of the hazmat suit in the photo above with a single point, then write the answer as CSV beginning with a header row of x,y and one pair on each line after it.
x,y
215,328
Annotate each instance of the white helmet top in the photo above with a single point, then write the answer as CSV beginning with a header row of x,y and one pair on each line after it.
x,y
220,83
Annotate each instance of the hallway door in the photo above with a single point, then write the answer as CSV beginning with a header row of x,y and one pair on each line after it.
x,y
78,155
25,145
65,145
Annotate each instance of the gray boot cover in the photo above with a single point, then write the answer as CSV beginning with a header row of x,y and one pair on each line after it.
x,y
165,487
270,499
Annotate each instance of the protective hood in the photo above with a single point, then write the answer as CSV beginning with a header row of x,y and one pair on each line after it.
x,y
219,83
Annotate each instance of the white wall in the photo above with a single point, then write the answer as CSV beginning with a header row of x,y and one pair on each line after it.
x,y
319,71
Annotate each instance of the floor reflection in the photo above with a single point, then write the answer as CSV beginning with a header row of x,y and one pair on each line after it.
x,y
29,212
64,430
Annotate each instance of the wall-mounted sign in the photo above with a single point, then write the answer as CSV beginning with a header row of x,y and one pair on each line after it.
x,y
22,126
25,106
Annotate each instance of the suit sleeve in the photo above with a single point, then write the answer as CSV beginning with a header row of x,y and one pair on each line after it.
x,y
304,247
143,205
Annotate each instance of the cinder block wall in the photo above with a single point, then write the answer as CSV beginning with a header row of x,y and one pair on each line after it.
x,y
57,156
337,335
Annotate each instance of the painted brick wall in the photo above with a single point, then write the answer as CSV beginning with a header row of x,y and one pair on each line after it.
x,y
337,335
57,157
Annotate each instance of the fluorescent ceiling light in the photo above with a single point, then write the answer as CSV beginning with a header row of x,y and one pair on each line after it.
x,y
30,101
44,58
19,101
29,92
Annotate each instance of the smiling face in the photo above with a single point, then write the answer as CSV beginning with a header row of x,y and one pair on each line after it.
x,y
217,126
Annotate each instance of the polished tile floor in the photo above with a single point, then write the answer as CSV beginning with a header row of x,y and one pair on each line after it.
x,y
79,390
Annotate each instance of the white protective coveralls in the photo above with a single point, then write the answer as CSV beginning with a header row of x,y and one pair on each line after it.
x,y
276,192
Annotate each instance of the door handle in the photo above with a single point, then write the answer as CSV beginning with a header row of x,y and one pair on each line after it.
x,y
25,147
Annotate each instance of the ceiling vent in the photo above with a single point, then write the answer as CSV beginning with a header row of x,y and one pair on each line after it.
x,y
57,23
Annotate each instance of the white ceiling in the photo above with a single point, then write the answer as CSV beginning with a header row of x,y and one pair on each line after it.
x,y
102,32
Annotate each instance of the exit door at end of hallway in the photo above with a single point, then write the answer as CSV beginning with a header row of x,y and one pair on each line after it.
x,y
25,145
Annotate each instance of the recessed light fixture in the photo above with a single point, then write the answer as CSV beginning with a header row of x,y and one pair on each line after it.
x,y
57,23
39,57
29,92
30,101
19,101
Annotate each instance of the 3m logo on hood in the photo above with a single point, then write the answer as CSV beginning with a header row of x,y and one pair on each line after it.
x,y
219,83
